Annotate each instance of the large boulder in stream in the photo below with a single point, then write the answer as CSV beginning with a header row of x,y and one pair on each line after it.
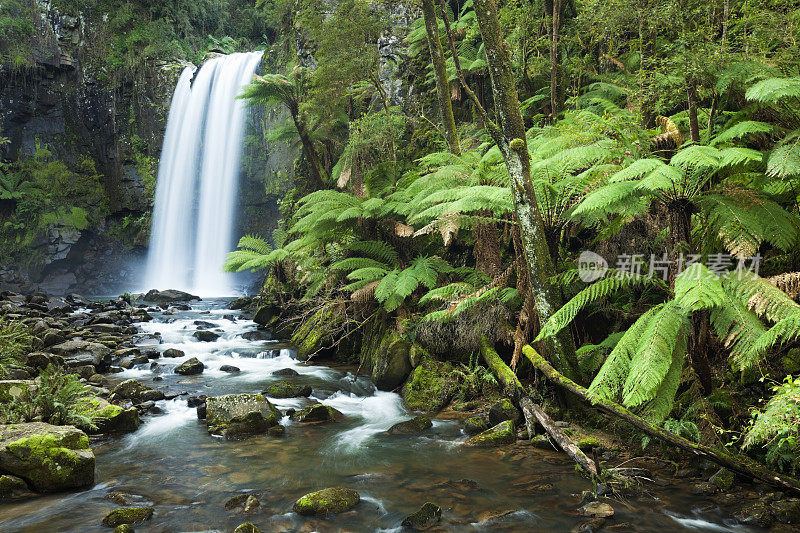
x,y
501,434
504,410
109,418
327,501
430,386
391,365
416,425
190,367
203,335
49,458
131,389
168,296
237,416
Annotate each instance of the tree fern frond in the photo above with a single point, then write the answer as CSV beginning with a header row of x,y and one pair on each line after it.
x,y
760,295
380,250
354,263
773,90
698,288
739,329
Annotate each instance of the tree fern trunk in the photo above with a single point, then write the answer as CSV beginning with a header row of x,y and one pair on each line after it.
x,y
694,125
555,103
512,142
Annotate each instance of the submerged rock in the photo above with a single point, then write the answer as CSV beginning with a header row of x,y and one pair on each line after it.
x,y
12,488
190,367
426,517
49,458
124,528
502,433
416,425
317,413
205,335
128,515
327,501
284,389
597,510
247,527
240,415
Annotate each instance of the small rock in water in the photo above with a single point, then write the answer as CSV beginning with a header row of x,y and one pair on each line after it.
x,y
317,413
128,515
203,324
589,526
236,501
196,401
597,510
251,504
190,367
124,528
205,335
476,424
229,368
426,517
285,389
276,431
416,425
502,433
286,372
247,527
172,352
327,501
504,410
256,336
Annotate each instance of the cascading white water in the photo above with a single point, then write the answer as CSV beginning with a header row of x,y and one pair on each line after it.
x,y
198,178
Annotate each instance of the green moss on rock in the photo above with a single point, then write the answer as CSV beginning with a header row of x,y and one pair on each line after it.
x,y
327,501
429,387
11,487
247,527
284,389
501,434
109,418
128,515
238,416
476,424
416,425
426,517
49,458
318,413
317,331
390,362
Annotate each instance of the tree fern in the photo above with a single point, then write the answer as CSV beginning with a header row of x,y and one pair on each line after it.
x,y
698,288
773,90
739,329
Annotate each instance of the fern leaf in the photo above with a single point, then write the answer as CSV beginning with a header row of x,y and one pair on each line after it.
x,y
698,288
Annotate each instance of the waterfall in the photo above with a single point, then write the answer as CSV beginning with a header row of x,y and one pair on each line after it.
x,y
198,175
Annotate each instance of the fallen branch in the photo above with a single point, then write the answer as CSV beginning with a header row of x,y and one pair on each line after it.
x,y
737,463
530,410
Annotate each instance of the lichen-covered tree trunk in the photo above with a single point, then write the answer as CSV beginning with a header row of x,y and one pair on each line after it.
x,y
314,162
440,73
512,143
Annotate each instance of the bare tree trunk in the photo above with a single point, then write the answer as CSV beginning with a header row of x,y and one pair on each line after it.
x,y
737,463
510,138
694,125
555,103
440,72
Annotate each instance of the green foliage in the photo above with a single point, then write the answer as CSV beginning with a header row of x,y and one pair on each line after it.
x,y
57,398
15,341
775,428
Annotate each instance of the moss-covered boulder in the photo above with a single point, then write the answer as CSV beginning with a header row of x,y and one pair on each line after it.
x,y
416,425
124,528
327,501
390,363
476,424
501,434
722,479
426,517
49,458
284,389
791,361
786,511
319,330
240,415
190,367
247,527
128,515
168,296
12,487
504,410
317,413
109,418
429,387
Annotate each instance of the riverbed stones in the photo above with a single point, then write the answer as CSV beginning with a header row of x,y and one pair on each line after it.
x,y
190,367
247,527
425,517
499,435
284,389
332,500
128,515
168,296
49,458
317,413
240,415
205,336
504,410
416,425
256,336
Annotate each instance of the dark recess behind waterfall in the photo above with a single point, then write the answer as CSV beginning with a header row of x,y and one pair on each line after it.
x,y
62,104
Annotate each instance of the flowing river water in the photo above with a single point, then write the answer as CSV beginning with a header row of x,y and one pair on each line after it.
x,y
173,463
